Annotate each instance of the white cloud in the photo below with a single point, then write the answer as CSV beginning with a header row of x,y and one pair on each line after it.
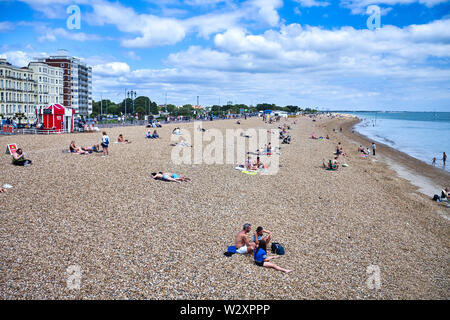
x,y
312,3
6,26
360,6
20,58
153,30
54,34
112,69
267,10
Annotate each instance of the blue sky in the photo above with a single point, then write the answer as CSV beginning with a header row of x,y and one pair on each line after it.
x,y
311,53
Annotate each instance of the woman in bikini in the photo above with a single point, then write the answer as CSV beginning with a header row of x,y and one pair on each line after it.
x,y
171,177
74,149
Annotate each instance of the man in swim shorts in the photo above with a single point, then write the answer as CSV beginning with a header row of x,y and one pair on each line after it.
x,y
242,244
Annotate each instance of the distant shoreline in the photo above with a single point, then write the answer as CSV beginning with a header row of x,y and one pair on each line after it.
x,y
418,172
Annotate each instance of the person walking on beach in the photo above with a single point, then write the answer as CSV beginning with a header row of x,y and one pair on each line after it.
x,y
374,147
105,144
444,158
242,244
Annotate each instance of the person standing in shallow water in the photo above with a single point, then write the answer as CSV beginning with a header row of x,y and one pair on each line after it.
x,y
444,158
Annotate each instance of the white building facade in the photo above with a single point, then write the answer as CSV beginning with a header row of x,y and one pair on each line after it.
x,y
48,88
16,92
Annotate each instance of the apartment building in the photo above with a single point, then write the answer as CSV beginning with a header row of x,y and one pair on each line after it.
x,y
16,91
77,83
48,88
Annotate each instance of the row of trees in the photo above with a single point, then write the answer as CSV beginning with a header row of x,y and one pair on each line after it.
x,y
144,106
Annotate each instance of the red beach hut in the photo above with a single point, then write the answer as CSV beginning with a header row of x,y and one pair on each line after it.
x,y
58,118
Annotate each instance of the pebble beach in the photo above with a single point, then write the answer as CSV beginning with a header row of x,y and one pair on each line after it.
x,y
136,238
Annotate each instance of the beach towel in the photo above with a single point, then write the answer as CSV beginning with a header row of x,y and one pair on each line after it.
x,y
230,251
345,165
240,168
252,173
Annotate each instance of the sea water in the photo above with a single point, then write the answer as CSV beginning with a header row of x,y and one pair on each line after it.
x,y
422,135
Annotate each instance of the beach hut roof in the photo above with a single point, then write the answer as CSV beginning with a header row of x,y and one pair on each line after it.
x,y
59,109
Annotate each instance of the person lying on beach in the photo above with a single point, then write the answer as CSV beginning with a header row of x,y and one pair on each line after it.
x,y
328,138
259,236
176,131
168,176
242,244
445,194
313,136
74,149
120,139
19,158
3,190
262,260
94,148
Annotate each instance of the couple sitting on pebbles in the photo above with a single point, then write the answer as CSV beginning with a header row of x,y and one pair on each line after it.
x,y
258,247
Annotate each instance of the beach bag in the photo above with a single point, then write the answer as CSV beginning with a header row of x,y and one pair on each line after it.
x,y
277,248
230,251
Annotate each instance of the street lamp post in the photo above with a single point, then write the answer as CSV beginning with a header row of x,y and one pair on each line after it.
x,y
132,95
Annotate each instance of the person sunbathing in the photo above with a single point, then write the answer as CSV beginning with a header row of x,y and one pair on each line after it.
x,y
94,148
168,176
2,190
445,195
74,149
176,131
262,260
19,159
120,139
313,136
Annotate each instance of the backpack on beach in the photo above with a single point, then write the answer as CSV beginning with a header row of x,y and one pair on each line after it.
x,y
277,248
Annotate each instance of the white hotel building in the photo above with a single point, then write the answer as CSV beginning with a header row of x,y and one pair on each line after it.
x,y
48,85
59,79
16,91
